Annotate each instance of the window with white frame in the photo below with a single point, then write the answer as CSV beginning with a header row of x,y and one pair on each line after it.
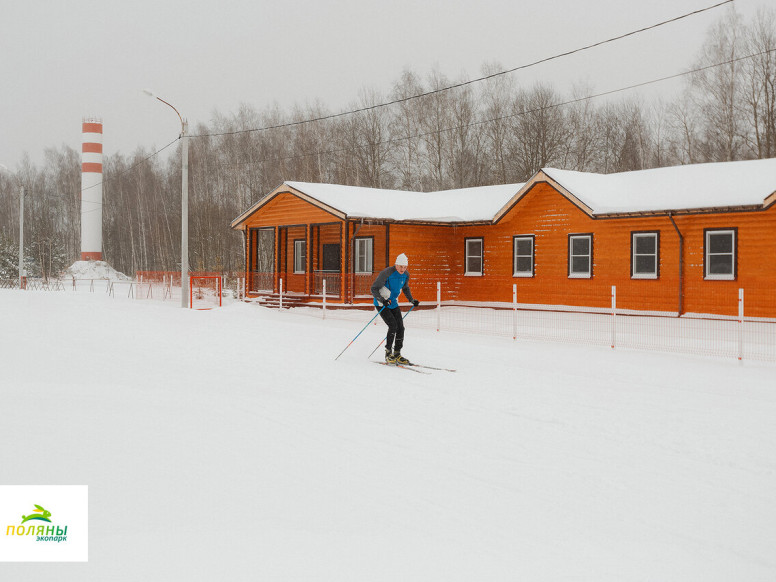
x,y
299,256
363,255
580,256
645,260
523,256
473,259
720,254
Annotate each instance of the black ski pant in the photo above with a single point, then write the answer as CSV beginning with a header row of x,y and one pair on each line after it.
x,y
392,318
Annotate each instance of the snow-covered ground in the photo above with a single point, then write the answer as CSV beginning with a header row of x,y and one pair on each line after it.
x,y
229,445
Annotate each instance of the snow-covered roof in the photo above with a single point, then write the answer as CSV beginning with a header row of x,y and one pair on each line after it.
x,y
691,187
463,205
698,186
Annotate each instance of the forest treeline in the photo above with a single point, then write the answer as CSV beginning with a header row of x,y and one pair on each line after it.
x,y
490,132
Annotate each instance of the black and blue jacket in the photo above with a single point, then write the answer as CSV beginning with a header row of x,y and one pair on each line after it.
x,y
395,282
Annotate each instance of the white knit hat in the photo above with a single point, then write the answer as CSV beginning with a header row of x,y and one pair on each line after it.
x,y
402,261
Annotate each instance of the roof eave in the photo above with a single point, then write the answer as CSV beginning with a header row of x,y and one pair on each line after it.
x,y
769,200
680,211
419,221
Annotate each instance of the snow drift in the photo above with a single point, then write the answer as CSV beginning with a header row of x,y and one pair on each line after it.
x,y
93,270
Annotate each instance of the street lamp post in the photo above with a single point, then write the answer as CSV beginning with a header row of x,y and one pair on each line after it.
x,y
184,201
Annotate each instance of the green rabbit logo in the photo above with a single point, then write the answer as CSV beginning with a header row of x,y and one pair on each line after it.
x,y
39,514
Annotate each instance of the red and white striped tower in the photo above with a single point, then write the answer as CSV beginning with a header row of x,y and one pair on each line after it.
x,y
91,190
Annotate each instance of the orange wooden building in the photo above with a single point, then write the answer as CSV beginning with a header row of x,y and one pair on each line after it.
x,y
673,240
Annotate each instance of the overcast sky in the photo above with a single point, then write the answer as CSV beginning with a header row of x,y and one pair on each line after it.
x,y
61,61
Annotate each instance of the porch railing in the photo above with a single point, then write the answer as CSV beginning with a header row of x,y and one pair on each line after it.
x,y
362,284
333,283
260,281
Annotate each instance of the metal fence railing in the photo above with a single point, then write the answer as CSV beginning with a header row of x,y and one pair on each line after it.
x,y
743,330
159,289
32,284
740,322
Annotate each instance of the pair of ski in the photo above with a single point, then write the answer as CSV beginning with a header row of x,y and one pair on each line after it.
x,y
409,365
414,367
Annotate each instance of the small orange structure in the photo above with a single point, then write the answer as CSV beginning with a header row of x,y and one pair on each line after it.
x,y
673,240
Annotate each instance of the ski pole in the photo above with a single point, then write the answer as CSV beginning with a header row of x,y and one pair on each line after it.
x,y
386,337
359,333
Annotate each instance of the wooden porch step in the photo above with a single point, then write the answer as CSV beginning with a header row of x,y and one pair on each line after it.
x,y
273,300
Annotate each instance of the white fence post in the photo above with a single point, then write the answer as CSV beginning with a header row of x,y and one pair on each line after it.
x,y
439,304
281,293
740,325
324,298
514,311
614,315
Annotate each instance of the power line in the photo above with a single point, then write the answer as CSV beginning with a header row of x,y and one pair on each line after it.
x,y
126,171
473,124
511,115
426,94
132,167
465,83
441,90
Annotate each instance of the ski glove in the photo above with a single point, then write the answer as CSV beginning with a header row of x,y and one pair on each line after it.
x,y
415,302
386,302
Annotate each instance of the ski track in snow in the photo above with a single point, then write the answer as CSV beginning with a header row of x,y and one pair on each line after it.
x,y
229,445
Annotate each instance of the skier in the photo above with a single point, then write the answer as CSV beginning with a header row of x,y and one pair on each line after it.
x,y
386,288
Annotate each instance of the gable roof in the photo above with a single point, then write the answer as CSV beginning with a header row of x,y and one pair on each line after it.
x,y
697,188
478,204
